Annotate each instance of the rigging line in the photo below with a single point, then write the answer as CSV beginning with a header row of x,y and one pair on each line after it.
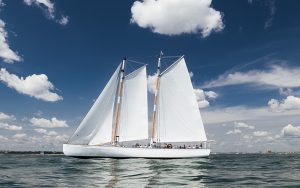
x,y
150,56
138,62
177,56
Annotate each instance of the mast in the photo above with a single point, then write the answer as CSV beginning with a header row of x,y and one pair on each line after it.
x,y
155,98
115,140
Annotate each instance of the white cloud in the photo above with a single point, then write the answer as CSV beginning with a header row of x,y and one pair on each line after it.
x,y
37,86
42,131
211,94
235,131
64,20
3,138
49,7
242,113
43,4
151,83
45,123
201,97
4,116
175,17
6,53
243,125
10,127
290,103
20,135
191,74
275,76
45,132
290,130
285,91
261,133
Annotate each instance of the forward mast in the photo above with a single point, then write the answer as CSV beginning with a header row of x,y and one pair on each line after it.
x,y
120,87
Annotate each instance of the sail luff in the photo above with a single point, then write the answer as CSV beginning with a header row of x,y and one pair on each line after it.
x,y
118,101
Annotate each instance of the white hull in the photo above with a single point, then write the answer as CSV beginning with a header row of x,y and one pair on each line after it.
x,y
85,151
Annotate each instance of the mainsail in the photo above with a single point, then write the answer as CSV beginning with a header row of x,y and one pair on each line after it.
x,y
133,123
96,127
178,116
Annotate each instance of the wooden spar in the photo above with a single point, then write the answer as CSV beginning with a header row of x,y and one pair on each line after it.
x,y
118,102
155,98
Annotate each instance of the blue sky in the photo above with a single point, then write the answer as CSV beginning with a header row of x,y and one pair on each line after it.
x,y
56,56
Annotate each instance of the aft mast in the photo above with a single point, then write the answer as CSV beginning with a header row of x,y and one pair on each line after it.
x,y
155,99
122,74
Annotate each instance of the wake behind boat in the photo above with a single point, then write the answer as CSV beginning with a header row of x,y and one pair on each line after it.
x,y
117,126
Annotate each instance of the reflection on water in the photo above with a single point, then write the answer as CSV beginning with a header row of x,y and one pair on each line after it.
x,y
218,170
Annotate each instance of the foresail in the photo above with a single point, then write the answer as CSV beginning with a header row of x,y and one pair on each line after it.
x,y
96,127
178,116
133,123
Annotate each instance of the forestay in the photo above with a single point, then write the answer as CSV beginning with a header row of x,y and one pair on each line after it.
x,y
133,124
96,127
178,115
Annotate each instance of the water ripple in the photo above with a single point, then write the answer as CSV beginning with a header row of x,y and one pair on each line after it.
x,y
220,170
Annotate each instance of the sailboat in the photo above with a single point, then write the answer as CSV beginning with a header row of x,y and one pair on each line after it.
x,y
117,125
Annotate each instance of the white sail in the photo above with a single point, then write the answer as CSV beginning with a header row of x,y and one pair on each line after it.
x,y
178,115
96,127
133,124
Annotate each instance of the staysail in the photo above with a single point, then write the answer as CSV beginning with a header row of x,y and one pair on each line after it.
x,y
133,123
96,127
178,116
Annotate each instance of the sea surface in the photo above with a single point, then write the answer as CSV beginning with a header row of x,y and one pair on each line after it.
x,y
219,170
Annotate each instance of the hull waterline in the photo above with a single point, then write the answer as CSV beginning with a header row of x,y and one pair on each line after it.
x,y
85,151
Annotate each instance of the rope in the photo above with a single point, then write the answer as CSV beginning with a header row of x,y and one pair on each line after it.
x,y
138,62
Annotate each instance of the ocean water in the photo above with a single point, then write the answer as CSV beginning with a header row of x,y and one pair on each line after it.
x,y
219,170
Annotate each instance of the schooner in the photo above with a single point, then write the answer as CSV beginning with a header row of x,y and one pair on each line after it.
x,y
117,123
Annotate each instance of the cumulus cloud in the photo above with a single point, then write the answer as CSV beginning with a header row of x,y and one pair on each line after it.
x,y
285,91
49,8
242,113
3,138
175,17
10,127
50,136
64,20
4,116
243,125
211,94
6,53
261,133
151,83
290,103
37,86
46,123
234,131
276,76
20,135
202,95
290,130
45,132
